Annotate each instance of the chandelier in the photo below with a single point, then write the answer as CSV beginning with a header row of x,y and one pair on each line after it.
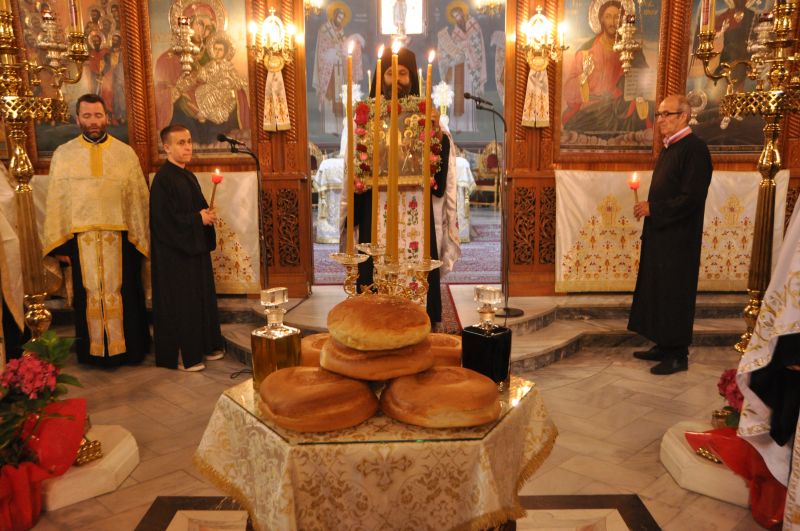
x,y
540,45
64,58
625,42
273,44
773,67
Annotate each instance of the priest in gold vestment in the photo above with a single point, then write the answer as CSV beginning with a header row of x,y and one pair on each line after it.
x,y
96,218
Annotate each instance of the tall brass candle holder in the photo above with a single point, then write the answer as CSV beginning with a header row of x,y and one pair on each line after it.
x,y
19,106
350,263
777,93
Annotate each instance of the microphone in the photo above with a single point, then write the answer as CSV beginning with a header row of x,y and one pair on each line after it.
x,y
229,140
478,99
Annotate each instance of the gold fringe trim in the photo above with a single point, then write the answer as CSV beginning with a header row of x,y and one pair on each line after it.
x,y
219,481
533,465
493,519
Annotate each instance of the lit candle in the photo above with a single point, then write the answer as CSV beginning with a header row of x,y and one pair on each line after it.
x,y
633,184
253,30
216,178
562,29
393,192
426,164
376,149
351,182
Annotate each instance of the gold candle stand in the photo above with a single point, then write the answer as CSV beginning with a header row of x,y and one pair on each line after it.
x,y
350,263
776,94
18,107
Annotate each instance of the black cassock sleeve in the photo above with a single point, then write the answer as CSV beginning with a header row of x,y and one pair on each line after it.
x,y
175,219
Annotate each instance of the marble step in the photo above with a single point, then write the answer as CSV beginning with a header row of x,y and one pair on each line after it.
x,y
561,338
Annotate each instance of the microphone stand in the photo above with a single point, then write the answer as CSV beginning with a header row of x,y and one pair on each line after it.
x,y
262,243
506,311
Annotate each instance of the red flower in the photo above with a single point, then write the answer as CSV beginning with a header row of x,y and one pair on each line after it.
x,y
361,147
436,149
414,246
365,167
421,106
728,389
434,169
359,185
360,131
434,158
362,113
413,203
421,122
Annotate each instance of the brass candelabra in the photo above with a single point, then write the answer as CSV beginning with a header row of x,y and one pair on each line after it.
x,y
776,94
18,107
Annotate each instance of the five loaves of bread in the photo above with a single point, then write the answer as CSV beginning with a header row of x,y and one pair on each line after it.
x,y
378,338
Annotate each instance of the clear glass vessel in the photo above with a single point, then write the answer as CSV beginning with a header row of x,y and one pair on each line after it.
x,y
274,346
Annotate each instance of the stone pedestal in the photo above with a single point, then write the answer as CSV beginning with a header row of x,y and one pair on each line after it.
x,y
696,473
120,457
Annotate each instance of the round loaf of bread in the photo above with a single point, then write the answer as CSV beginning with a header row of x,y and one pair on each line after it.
x,y
442,397
310,399
310,347
378,322
446,349
376,364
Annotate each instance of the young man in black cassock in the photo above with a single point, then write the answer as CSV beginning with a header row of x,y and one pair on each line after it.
x,y
669,263
407,85
185,317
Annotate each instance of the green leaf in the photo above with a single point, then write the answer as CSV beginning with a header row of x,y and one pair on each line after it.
x,y
68,379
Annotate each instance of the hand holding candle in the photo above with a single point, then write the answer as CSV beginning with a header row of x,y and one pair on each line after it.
x,y
633,184
216,178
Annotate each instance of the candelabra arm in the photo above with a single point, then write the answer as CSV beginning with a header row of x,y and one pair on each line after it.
x,y
769,162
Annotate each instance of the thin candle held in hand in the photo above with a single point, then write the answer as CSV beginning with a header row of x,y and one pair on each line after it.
x,y
216,178
633,184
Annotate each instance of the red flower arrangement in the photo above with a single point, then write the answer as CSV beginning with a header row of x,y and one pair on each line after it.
x,y
39,433
729,390
414,124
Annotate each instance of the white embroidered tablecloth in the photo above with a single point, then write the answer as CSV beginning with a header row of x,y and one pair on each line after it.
x,y
598,239
380,475
328,182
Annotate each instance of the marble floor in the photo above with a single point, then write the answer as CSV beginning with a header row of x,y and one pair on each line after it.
x,y
610,412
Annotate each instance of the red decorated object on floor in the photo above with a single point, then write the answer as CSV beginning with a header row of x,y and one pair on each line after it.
x,y
767,494
55,443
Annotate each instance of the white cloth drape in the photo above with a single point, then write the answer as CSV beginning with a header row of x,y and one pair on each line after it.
x,y
598,239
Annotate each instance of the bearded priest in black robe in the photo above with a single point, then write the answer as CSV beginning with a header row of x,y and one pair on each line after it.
x,y
669,263
185,318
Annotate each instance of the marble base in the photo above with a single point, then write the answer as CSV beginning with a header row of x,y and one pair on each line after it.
x,y
120,457
696,473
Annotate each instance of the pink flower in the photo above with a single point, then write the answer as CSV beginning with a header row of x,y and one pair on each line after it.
x,y
359,186
30,376
360,131
363,156
414,246
413,203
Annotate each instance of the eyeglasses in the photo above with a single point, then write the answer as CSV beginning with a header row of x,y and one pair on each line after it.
x,y
666,114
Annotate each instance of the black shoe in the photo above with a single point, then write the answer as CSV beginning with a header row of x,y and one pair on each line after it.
x,y
654,354
671,365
